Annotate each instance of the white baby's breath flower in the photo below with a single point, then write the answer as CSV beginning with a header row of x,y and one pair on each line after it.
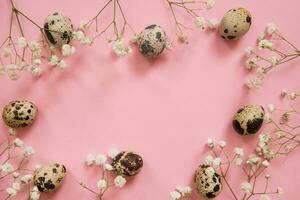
x,y
120,49
200,22
7,167
53,60
28,151
265,197
175,195
87,40
254,83
280,191
212,23
271,108
22,42
249,51
273,60
17,142
135,38
108,167
34,46
169,46
68,50
34,193
37,71
267,118
82,25
271,28
265,163
15,175
26,179
251,63
261,71
90,159
284,93
62,65
293,95
253,159
222,144
102,184
11,192
239,151
265,44
12,131
112,153
119,181
209,160
16,186
246,187
209,4
100,159
79,35
185,191
211,142
260,37
217,162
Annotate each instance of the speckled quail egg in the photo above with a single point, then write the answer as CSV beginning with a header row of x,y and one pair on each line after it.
x,y
152,41
249,119
127,163
58,29
235,23
49,177
18,114
208,182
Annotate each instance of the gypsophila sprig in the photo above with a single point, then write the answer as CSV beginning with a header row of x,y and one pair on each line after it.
x,y
192,9
108,178
13,173
222,160
284,135
273,50
20,53
114,30
181,192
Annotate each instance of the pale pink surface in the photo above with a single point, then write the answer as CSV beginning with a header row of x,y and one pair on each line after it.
x,y
165,109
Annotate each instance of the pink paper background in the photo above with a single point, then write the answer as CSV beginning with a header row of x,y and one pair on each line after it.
x,y
163,109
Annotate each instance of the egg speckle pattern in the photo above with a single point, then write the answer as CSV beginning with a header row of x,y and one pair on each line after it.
x,y
152,41
127,163
49,177
207,181
58,29
235,23
19,114
249,119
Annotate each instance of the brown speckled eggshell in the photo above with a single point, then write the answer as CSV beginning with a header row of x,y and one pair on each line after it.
x,y
152,41
235,23
49,177
248,120
208,182
58,29
127,163
19,113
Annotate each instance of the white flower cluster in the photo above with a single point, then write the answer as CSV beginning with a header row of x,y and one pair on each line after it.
x,y
203,23
181,192
102,161
120,48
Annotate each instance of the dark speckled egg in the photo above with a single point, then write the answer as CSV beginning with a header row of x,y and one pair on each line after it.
x,y
127,163
49,177
207,181
58,29
19,113
249,119
152,41
235,23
